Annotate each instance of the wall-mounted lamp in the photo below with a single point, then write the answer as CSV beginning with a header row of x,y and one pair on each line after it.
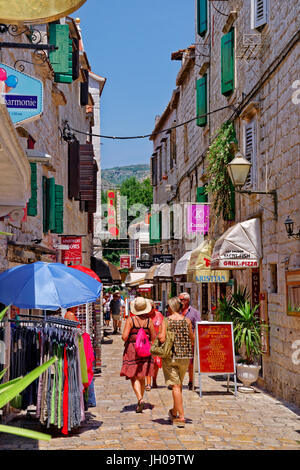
x,y
238,170
289,226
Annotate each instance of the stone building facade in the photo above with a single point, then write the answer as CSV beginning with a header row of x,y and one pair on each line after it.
x,y
43,144
262,104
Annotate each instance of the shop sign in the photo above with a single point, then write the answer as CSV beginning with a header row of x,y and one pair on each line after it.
x,y
22,94
125,262
215,349
144,264
212,276
37,11
198,218
233,264
73,255
158,259
112,213
255,288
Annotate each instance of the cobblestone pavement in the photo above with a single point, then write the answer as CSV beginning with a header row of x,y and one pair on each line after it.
x,y
218,420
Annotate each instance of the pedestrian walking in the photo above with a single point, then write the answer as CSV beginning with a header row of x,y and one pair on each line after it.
x,y
134,367
157,319
175,367
106,309
194,315
115,310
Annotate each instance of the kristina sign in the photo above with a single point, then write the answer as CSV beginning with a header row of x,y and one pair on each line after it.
x,y
198,218
22,94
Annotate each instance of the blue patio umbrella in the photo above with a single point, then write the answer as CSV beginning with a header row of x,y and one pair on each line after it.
x,y
47,286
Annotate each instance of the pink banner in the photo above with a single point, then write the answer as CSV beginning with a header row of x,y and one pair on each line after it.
x,y
198,218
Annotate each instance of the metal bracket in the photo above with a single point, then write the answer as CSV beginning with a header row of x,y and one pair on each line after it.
x,y
272,193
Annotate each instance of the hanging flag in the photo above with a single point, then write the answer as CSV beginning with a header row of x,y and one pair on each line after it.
x,y
198,218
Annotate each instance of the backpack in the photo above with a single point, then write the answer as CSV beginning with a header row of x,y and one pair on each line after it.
x,y
142,344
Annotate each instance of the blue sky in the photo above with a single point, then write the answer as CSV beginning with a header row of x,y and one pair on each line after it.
x,y
130,43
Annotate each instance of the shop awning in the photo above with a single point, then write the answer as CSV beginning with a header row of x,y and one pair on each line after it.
x,y
150,273
135,279
163,272
108,273
182,265
239,247
199,267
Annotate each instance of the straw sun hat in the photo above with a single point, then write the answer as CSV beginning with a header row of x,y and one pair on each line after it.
x,y
140,306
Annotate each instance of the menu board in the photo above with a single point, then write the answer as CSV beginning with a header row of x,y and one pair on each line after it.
x,y
215,348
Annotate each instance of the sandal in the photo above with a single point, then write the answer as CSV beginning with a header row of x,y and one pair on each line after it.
x,y
148,388
179,422
171,416
140,406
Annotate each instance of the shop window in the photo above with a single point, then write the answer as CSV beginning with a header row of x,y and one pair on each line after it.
x,y
273,281
293,292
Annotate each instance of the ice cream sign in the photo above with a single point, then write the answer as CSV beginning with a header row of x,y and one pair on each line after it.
x,y
22,94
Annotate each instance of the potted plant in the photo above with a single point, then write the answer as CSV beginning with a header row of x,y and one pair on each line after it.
x,y
247,337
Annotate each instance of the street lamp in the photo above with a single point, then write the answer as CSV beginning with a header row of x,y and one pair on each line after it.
x,y
289,226
238,170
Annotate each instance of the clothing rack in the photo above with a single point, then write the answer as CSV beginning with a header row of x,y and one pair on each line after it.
x,y
53,320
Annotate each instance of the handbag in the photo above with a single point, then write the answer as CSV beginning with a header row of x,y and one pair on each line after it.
x,y
164,350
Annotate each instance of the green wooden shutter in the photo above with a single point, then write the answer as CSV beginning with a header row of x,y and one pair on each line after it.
x,y
50,204
201,17
202,194
44,190
61,59
155,228
32,203
202,100
59,209
227,63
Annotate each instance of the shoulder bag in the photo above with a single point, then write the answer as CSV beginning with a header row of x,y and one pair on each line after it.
x,y
164,350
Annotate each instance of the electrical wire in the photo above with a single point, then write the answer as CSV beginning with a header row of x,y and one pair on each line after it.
x,y
153,133
221,13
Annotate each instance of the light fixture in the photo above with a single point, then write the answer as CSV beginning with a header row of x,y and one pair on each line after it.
x,y
238,170
289,226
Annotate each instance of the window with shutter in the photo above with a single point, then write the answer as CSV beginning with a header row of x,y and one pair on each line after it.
x,y
50,204
62,58
201,97
201,17
32,203
186,142
76,63
227,63
155,228
250,150
172,148
91,206
73,170
86,180
84,89
154,170
259,13
160,174
59,209
202,194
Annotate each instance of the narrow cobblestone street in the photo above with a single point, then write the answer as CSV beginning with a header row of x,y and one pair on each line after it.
x,y
218,420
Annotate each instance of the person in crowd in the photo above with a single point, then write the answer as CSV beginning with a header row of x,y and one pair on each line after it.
x,y
136,368
194,315
122,310
157,319
175,368
106,309
115,311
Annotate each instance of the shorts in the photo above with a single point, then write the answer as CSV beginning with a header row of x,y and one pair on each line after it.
x,y
174,370
116,317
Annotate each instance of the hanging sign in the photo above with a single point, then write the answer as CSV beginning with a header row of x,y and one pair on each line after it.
x,y
22,94
72,255
125,262
144,264
198,218
215,349
112,213
37,11
158,259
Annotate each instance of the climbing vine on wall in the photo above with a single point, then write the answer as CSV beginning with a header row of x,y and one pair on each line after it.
x,y
219,186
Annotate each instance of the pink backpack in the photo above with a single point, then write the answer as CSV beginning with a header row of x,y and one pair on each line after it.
x,y
142,344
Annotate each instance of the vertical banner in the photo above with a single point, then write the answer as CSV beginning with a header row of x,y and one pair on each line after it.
x,y
125,262
112,213
255,289
72,255
198,218
215,350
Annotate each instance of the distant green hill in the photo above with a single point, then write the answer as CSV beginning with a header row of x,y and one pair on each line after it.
x,y
112,177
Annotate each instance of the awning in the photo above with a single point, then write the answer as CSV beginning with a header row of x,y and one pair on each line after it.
x,y
163,272
239,247
135,279
199,267
108,272
182,265
150,273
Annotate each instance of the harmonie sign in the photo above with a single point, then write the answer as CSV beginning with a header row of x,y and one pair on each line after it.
x,y
112,213
22,94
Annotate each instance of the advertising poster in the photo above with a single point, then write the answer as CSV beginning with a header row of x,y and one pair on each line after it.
x,y
74,253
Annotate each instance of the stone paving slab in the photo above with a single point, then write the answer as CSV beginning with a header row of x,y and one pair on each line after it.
x,y
217,421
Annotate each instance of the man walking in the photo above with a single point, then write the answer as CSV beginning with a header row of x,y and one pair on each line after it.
x,y
194,315
115,310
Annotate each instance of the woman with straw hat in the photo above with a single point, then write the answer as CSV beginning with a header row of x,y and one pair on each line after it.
x,y
134,367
